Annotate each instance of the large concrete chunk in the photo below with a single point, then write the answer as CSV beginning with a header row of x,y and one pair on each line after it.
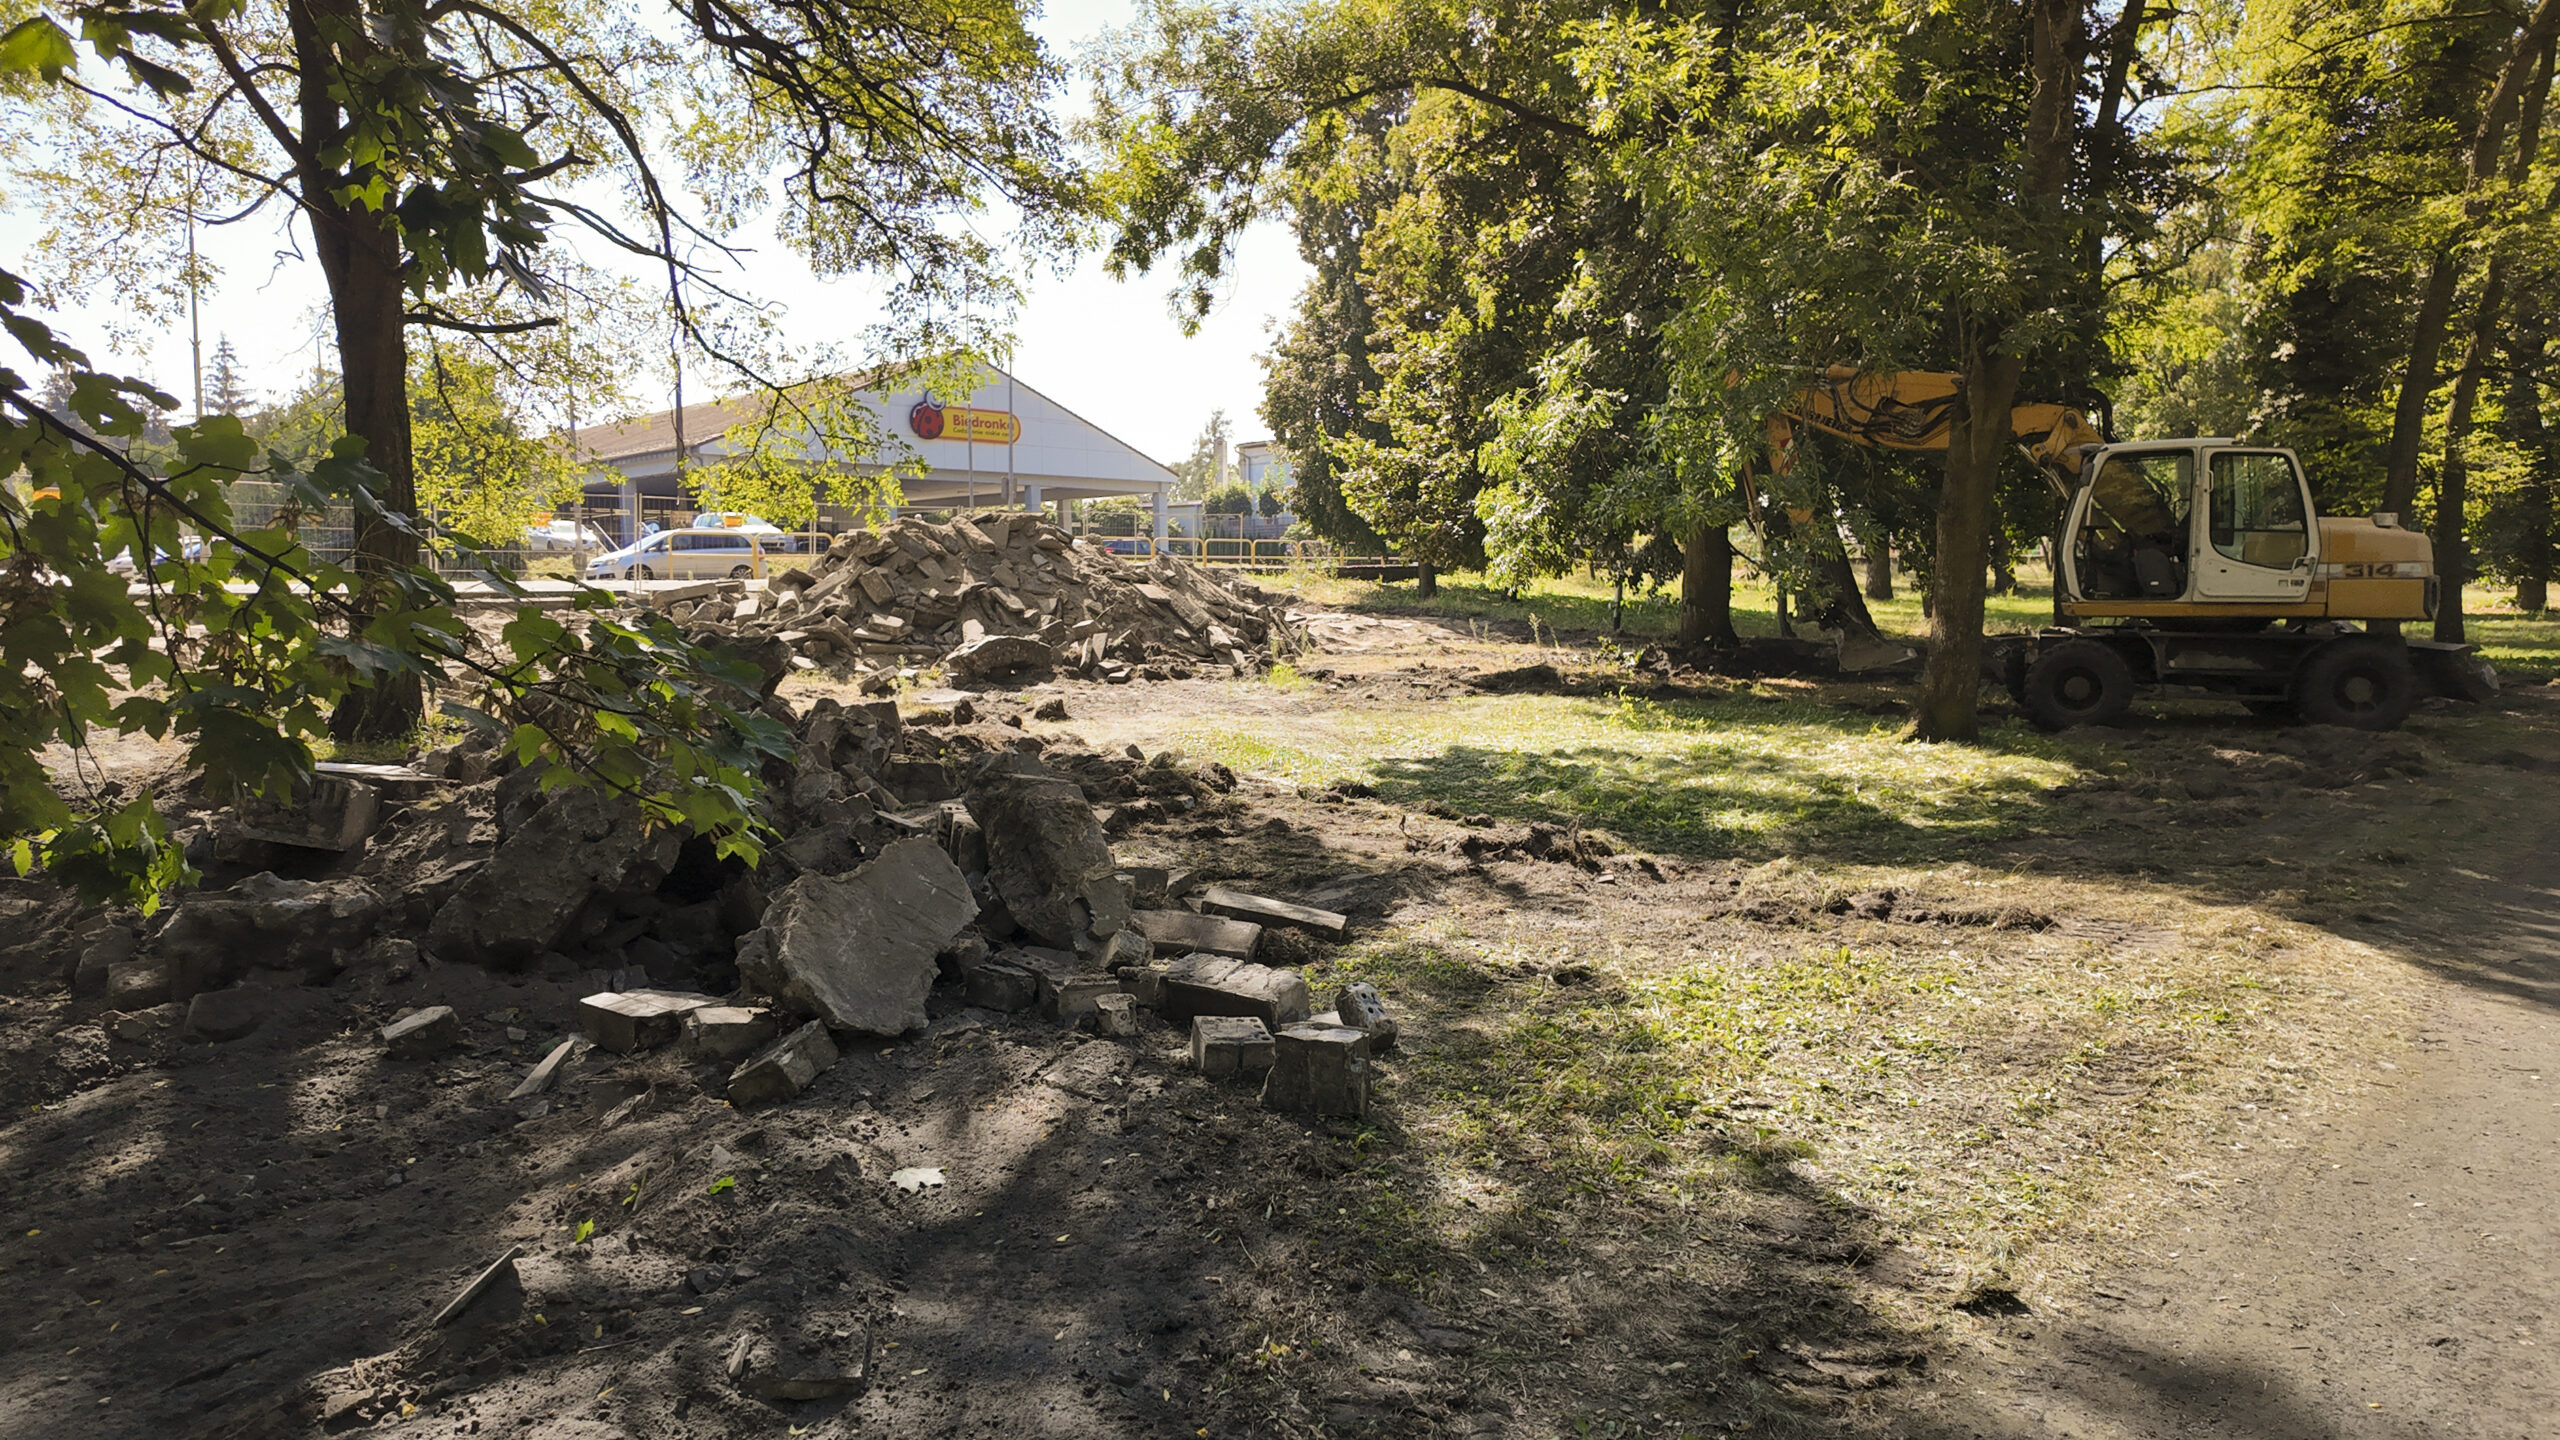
x,y
422,1033
1215,985
1047,859
857,950
785,1067
1179,932
267,922
1358,1007
522,903
1318,1070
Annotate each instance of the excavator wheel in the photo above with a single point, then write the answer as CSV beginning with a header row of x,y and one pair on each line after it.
x,y
2364,682
2078,682
2013,673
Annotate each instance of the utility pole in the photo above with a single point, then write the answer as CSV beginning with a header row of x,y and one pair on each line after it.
x,y
195,328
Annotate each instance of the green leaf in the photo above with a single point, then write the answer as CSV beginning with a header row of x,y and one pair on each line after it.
x,y
725,1182
37,45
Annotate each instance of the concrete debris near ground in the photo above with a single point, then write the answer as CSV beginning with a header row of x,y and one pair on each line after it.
x,y
989,595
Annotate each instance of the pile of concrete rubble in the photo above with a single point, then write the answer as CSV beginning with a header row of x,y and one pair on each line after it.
x,y
989,595
953,863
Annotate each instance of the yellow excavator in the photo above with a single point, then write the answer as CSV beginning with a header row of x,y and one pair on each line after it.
x,y
2187,566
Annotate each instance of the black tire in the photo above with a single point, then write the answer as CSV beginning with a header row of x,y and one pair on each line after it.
x,y
2078,682
2364,682
638,572
2013,673
740,572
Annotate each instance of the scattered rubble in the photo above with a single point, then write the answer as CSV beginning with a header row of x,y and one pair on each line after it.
x,y
422,1034
1319,1069
785,1067
633,1020
857,951
989,595
1223,1045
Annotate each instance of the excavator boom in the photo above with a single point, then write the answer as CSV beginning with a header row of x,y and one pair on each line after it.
x,y
1914,409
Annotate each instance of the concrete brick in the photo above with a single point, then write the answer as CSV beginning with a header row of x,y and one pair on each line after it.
x,y
998,986
1262,909
634,1020
784,1068
727,1033
1318,1070
1179,932
1115,1016
1067,999
1229,1045
1215,985
422,1033
1357,1006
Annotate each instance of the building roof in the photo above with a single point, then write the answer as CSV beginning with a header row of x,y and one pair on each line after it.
x,y
656,434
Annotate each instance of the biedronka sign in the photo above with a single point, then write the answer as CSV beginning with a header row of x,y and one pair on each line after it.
x,y
930,421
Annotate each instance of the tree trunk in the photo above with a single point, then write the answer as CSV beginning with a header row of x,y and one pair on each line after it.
x,y
1880,571
360,253
1706,588
2004,575
1427,582
2525,427
1951,681
2507,95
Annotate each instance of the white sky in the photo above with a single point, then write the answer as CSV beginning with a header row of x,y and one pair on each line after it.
x,y
1105,350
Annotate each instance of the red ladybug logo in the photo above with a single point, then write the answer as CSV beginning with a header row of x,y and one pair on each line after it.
x,y
926,420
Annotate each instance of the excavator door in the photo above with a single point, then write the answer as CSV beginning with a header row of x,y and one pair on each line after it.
x,y
2256,540
2129,531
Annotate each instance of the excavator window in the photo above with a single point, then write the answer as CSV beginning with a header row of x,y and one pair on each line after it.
x,y
2133,543
2256,515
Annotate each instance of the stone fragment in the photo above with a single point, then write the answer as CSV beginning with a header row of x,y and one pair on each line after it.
x,y
1047,858
858,950
112,947
629,1021
1115,1015
422,1033
1215,985
1318,1070
143,1027
1224,1045
540,1077
1356,1006
784,1068
140,984
478,1285
1145,982
1179,932
998,986
525,900
993,655
1220,900
727,1033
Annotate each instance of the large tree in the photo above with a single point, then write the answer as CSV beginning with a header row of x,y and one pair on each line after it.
x,y
430,149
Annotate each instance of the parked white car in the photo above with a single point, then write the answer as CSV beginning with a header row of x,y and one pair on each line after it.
x,y
705,554
566,535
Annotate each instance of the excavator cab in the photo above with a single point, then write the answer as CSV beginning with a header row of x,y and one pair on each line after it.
x,y
2188,527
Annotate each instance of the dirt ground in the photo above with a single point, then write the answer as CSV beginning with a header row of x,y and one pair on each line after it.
x,y
2330,1198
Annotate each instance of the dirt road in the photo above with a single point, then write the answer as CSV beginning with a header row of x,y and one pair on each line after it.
x,y
2387,1273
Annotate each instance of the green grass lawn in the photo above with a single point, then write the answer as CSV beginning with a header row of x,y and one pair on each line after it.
x,y
1751,774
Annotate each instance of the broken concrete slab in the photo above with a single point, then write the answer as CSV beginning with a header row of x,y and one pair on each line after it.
x,y
266,921
727,1033
994,655
629,1021
110,948
1047,858
1318,1070
1223,1045
1219,900
422,1033
525,900
146,1026
784,1068
1357,1006
858,950
1215,985
1179,932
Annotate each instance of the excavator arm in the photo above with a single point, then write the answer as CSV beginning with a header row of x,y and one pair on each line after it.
x,y
1913,410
